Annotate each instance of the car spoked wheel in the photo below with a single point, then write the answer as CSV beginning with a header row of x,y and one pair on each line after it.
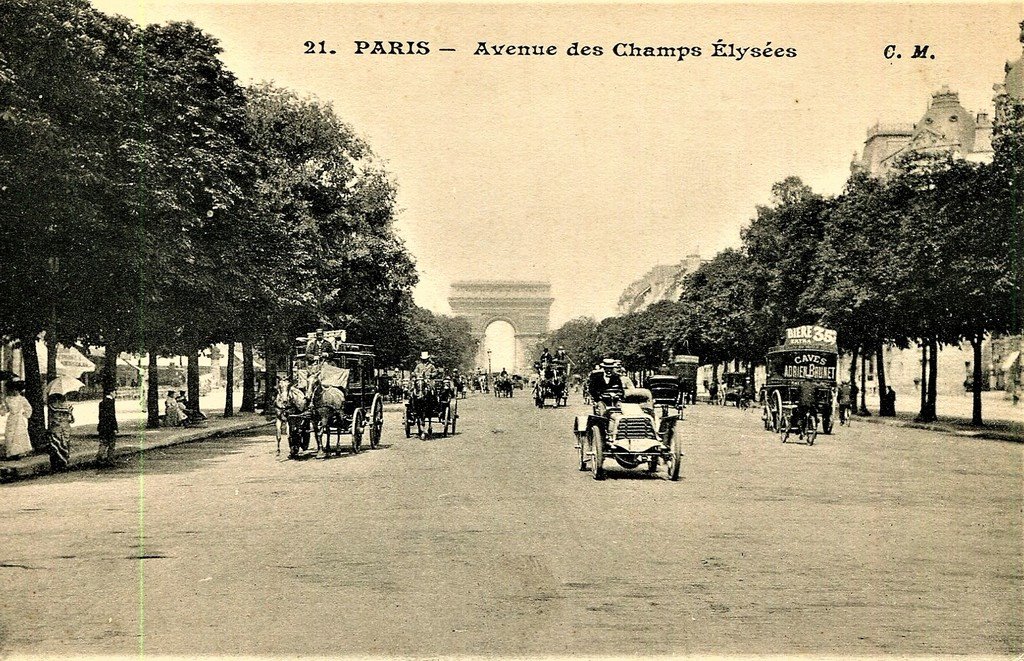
x,y
597,443
675,452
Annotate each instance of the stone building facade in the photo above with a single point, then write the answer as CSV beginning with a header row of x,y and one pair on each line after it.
x,y
661,283
948,127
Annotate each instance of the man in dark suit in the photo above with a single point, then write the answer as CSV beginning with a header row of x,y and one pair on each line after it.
x,y
107,429
604,381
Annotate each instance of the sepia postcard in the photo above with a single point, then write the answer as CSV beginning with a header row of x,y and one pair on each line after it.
x,y
515,330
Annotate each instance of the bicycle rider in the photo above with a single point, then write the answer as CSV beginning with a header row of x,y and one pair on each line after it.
x,y
845,400
806,402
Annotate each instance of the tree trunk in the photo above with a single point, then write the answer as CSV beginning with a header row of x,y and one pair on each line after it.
x,y
229,391
152,392
108,377
853,367
248,381
885,407
863,384
269,384
921,414
192,380
976,389
51,355
933,373
34,394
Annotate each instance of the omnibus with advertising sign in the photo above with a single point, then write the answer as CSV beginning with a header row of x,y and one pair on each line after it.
x,y
808,355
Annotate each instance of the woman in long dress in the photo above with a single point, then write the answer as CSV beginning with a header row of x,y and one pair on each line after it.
x,y
61,419
16,439
172,410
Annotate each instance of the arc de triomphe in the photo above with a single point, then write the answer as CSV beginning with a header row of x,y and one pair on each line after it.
x,y
525,304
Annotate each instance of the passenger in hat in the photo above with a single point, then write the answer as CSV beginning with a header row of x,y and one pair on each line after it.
x,y
627,382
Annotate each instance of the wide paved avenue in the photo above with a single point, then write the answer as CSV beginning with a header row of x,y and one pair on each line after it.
x,y
876,540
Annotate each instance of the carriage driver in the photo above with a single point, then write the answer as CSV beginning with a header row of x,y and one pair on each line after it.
x,y
425,369
318,349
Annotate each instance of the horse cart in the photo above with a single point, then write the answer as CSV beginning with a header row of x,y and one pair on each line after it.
x,y
503,386
736,388
552,385
339,397
431,401
807,360
638,427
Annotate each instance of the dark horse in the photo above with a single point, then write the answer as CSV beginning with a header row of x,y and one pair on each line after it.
x,y
503,386
430,400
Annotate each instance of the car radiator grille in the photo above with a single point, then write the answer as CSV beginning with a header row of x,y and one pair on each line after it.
x,y
635,428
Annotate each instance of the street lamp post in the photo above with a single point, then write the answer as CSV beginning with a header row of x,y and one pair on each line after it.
x,y
489,369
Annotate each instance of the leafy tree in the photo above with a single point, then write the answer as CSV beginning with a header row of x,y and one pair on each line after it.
x,y
580,338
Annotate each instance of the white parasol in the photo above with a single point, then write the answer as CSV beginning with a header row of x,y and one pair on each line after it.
x,y
62,385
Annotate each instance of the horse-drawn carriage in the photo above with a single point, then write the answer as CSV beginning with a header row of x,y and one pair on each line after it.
x,y
552,385
806,362
685,368
636,427
503,385
336,395
429,401
736,389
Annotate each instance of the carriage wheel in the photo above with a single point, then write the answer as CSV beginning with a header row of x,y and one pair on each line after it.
x,y
358,423
376,421
777,413
597,442
675,452
581,440
784,423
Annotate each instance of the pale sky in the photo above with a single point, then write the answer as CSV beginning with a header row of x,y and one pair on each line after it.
x,y
587,171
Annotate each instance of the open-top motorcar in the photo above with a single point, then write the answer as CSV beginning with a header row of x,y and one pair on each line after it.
x,y
635,428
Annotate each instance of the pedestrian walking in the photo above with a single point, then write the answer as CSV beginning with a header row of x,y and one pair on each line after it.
x,y
16,439
61,417
107,428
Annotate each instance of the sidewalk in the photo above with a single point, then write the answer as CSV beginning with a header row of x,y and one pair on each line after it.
x,y
997,430
132,439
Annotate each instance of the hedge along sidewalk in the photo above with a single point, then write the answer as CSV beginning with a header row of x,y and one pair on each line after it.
x,y
132,439
994,430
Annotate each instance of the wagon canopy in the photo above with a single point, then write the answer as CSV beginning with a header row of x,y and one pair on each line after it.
x,y
809,353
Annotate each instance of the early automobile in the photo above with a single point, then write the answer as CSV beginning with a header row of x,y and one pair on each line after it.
x,y
342,398
637,427
807,359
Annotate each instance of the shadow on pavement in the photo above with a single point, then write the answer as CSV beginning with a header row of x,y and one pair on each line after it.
x,y
182,458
